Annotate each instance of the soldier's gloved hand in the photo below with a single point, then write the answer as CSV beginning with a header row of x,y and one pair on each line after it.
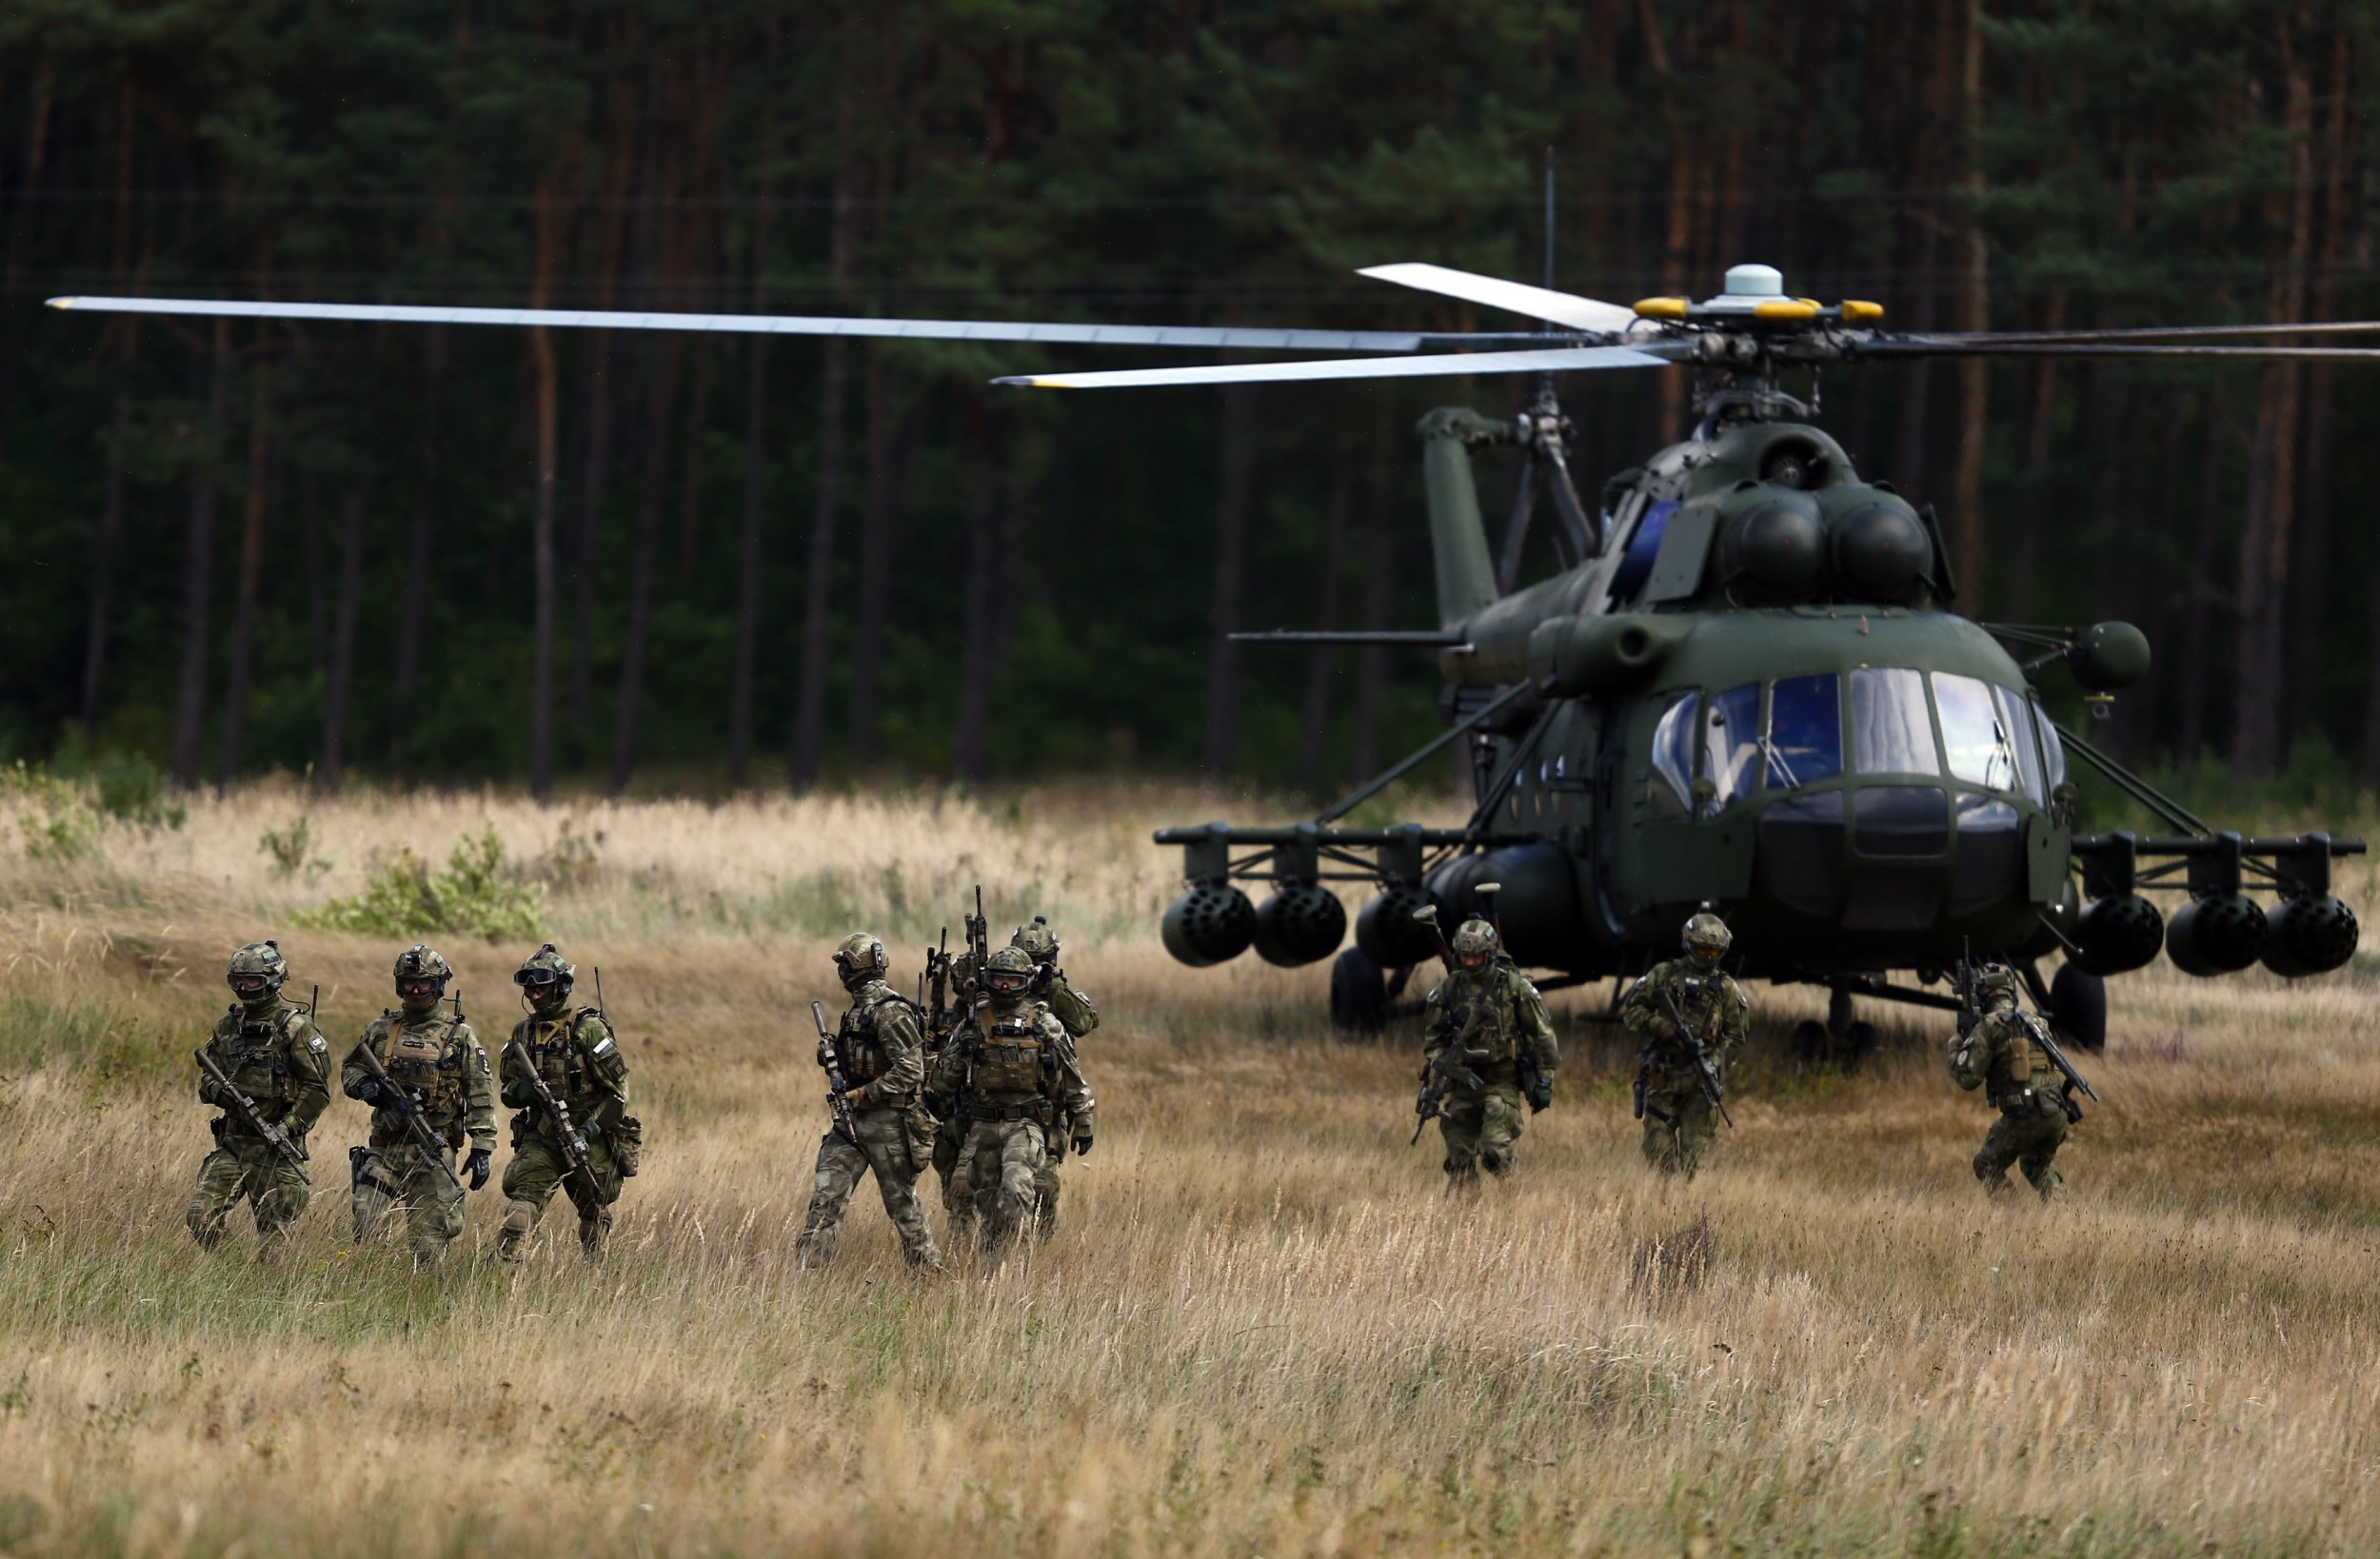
x,y
933,1103
1540,1093
1081,1144
1666,1029
209,1092
519,1093
476,1166
368,1092
399,1100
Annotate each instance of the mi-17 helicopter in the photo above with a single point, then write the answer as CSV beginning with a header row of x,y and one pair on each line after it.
x,y
1744,688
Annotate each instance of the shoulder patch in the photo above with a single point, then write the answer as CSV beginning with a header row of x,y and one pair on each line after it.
x,y
316,1044
604,1046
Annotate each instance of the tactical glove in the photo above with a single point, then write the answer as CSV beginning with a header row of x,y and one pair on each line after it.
x,y
476,1166
1082,1145
368,1092
209,1092
1540,1093
399,1100
520,1093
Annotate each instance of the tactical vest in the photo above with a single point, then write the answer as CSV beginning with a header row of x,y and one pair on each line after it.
x,y
254,1055
2022,1065
557,1057
1012,1057
858,1048
1495,1033
417,1058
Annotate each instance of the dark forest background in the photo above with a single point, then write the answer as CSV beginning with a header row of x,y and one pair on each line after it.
x,y
255,546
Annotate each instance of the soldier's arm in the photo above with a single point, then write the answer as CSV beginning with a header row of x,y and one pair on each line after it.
x,y
949,1069
1532,1024
207,1084
1735,1019
1074,1094
352,1073
512,1078
1433,1034
308,1056
1071,1006
1639,1014
903,1044
1972,1054
479,1114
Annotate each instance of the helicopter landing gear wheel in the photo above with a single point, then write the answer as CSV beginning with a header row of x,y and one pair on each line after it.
x,y
1845,1039
1358,994
1809,1041
2079,1007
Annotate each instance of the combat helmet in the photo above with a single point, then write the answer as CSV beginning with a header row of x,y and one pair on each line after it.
x,y
423,962
545,976
1475,944
1996,985
256,973
860,959
1037,941
1706,938
1008,971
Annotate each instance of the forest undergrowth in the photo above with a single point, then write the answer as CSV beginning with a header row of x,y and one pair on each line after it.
x,y
1262,1328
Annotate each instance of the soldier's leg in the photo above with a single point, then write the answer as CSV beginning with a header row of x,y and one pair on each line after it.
x,y
280,1194
2040,1146
2000,1148
1697,1123
592,1193
885,1136
220,1176
1046,1200
1458,1129
433,1208
1008,1160
957,1194
372,1191
840,1165
528,1184
1499,1128
1670,1144
1659,1144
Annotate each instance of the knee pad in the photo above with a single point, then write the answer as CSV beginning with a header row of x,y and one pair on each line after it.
x,y
520,1218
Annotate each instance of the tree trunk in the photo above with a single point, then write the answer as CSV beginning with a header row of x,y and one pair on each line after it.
x,y
749,558
103,565
2190,682
890,435
1379,585
198,557
819,560
690,485
2310,592
652,493
970,745
251,564
331,773
1314,732
1234,469
421,560
595,396
1973,308
22,225
548,242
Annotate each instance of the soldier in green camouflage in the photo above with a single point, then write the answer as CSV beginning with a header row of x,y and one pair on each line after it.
x,y
577,1058
1075,1014
2035,1106
1678,1119
1486,1024
272,1053
880,1051
1009,1074
437,1072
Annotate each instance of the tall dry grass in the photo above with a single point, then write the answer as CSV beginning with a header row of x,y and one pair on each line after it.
x,y
1263,1329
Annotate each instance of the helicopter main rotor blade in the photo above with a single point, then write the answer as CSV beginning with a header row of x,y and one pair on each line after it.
x,y
1518,297
1444,364
1233,338
2171,332
1923,347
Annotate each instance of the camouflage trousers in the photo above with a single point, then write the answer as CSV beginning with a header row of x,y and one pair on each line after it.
x,y
2028,1138
1479,1128
999,1169
243,1165
399,1177
537,1168
1678,1125
892,1144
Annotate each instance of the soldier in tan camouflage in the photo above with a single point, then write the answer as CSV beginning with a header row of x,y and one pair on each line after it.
x,y
1009,1074
1075,1014
880,1051
577,1058
2035,1105
436,1072
1503,1055
272,1053
1678,1119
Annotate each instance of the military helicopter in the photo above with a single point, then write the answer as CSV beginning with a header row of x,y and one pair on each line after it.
x,y
1745,687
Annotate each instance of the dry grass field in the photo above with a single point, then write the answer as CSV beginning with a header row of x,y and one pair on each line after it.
x,y
1263,1329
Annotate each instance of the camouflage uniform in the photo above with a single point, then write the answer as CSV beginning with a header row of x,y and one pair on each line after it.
x,y
579,1059
1075,1014
272,1052
442,1070
880,1050
2034,1109
1679,1120
1008,1072
1487,1006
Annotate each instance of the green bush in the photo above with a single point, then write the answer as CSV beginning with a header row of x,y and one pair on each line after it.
x,y
54,818
292,849
473,897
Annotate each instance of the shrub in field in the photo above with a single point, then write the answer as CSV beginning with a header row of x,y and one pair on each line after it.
x,y
292,849
570,861
54,818
473,897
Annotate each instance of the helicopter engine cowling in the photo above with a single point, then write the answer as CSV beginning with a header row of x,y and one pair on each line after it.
x,y
1539,905
1212,923
1774,550
1878,546
2118,933
2215,934
1387,932
2311,933
1579,653
1302,922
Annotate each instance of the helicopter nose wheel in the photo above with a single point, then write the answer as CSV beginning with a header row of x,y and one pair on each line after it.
x,y
1843,1040
1358,994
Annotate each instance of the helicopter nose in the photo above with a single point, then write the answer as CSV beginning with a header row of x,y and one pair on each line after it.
x,y
1894,858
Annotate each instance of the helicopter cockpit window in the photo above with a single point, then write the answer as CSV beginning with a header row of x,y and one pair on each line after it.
x,y
1673,776
1731,744
2053,750
1892,732
1977,739
1805,742
2017,719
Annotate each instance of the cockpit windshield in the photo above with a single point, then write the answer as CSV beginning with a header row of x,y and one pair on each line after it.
x,y
1892,732
1974,734
1731,744
1805,742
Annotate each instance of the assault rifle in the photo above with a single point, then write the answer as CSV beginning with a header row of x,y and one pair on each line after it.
x,y
836,1105
1450,1069
979,937
937,1021
1706,1077
251,1112
408,1104
1971,1008
572,1140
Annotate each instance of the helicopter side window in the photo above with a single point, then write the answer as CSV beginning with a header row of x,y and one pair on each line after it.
x,y
1731,744
1977,740
1805,741
2017,719
1673,775
1892,732
2053,750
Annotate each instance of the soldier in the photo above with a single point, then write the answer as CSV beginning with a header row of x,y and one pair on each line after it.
x,y
577,1058
1009,1074
1678,1115
1075,1014
2036,1105
437,1073
1493,1020
879,1048
272,1053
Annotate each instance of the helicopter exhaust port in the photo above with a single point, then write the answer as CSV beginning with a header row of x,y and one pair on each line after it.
x,y
1302,922
2119,932
1212,923
1386,930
